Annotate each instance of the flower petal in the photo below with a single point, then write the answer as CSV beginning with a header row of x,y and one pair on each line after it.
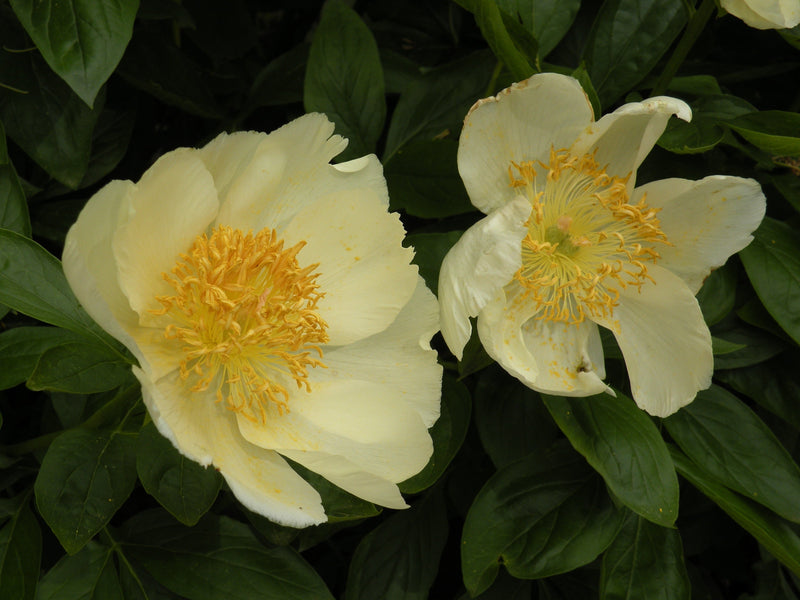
x,y
765,14
89,266
365,272
173,203
399,357
287,171
706,221
665,342
521,123
477,266
207,433
550,357
366,424
622,139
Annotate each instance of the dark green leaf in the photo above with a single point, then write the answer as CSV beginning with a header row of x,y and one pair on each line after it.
x,y
339,505
774,533
218,558
79,368
157,67
511,419
547,20
227,37
475,357
13,204
582,75
81,40
448,434
434,106
789,187
645,561
490,21
718,294
702,85
20,551
21,348
734,446
185,488
627,39
85,477
109,143
281,81
775,131
423,180
344,78
540,516
429,251
772,262
399,559
758,347
88,575
699,135
623,445
44,117
720,346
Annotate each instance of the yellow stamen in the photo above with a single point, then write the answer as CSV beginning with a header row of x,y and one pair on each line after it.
x,y
245,313
585,241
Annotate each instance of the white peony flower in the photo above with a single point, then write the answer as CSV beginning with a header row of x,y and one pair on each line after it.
x,y
273,311
765,14
569,243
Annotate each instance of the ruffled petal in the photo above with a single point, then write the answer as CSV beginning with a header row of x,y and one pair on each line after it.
x,y
173,203
365,272
706,221
550,357
477,266
366,424
89,265
207,433
399,357
665,342
289,170
765,14
521,123
622,139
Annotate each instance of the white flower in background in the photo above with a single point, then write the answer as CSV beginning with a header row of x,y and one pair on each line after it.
x,y
273,311
569,243
765,14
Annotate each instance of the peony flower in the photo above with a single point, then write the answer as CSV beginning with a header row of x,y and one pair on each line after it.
x,y
569,243
273,312
765,14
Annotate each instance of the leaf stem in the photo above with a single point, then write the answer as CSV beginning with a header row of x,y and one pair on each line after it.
x,y
697,23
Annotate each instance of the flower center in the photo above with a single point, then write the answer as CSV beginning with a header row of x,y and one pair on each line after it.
x,y
585,242
246,314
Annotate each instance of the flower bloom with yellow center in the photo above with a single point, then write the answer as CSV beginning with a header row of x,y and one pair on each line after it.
x,y
569,243
273,311
765,14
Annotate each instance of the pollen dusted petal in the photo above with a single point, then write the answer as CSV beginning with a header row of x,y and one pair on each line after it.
x,y
665,342
621,140
477,267
366,273
388,357
207,433
706,221
521,123
173,201
364,423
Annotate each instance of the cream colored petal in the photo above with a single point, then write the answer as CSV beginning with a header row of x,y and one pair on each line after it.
x,y
364,271
665,342
521,123
555,358
172,204
366,424
228,156
289,170
706,221
350,477
399,357
765,14
622,139
477,266
207,433
89,263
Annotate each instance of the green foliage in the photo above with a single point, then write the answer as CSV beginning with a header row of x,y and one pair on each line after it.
x,y
524,497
